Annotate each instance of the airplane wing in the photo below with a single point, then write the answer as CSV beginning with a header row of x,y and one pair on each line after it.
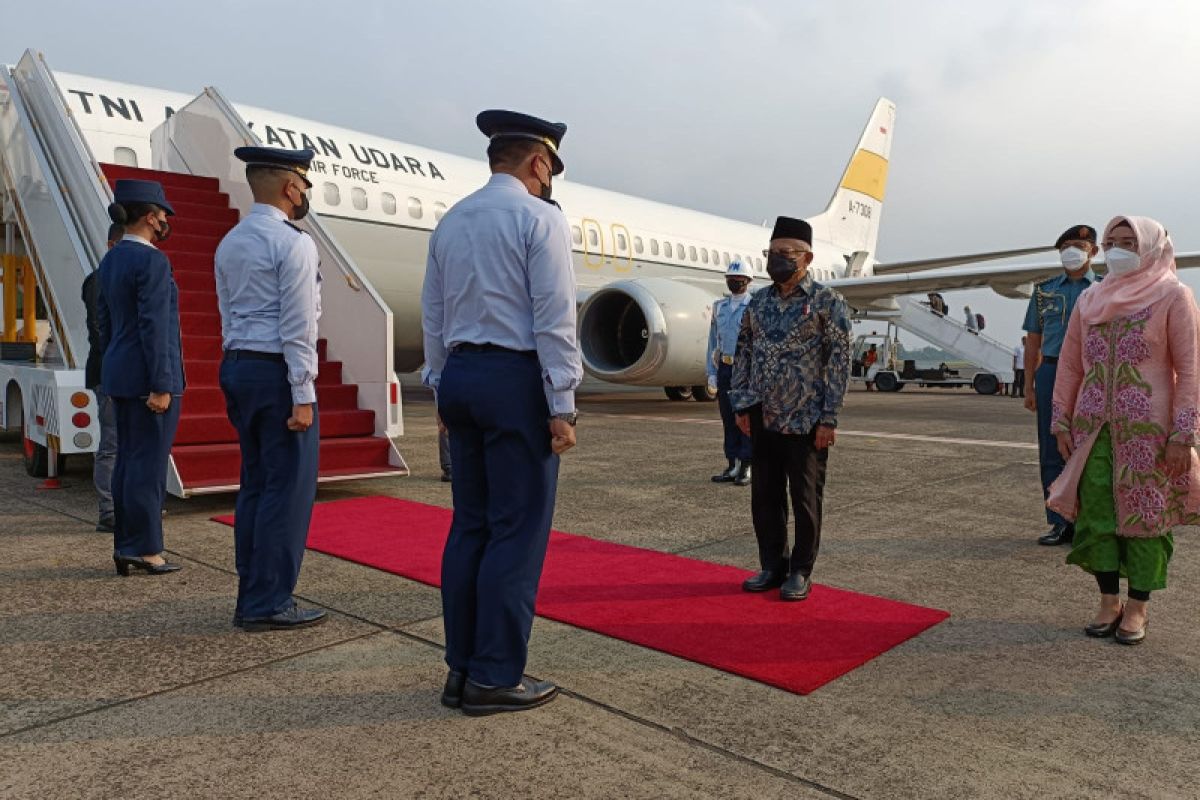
x,y
924,264
1010,281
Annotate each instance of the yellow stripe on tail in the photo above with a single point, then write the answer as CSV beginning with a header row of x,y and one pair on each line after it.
x,y
867,173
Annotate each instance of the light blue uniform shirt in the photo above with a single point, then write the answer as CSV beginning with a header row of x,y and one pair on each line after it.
x,y
723,332
269,293
1050,309
499,272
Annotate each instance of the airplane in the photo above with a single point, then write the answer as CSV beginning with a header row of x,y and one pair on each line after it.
x,y
647,272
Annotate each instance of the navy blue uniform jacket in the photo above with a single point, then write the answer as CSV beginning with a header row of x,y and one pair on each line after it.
x,y
138,312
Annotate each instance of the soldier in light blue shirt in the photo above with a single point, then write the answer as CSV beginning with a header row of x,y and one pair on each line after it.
x,y
498,312
1046,325
269,294
722,343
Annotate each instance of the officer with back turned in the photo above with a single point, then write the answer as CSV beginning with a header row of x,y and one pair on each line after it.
x,y
269,294
498,311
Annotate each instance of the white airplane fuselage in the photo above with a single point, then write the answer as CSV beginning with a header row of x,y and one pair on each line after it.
x,y
383,198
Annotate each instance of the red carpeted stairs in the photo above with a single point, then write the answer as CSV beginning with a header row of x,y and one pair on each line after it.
x,y
206,449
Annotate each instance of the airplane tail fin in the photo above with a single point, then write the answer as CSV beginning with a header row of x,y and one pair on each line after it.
x,y
852,218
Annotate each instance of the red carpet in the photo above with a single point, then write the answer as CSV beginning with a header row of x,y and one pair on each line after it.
x,y
692,609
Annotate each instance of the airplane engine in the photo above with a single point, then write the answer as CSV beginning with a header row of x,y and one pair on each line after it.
x,y
646,332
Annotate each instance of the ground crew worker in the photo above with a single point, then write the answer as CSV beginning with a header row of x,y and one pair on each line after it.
x,y
269,294
722,341
789,379
106,415
138,315
1046,320
498,312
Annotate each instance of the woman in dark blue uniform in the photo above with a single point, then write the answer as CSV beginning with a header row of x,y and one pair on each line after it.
x,y
138,311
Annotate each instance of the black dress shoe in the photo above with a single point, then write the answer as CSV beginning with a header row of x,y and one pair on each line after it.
x,y
728,475
1059,534
1132,637
796,587
479,701
446,477
1102,630
452,694
106,525
123,563
743,475
294,617
764,581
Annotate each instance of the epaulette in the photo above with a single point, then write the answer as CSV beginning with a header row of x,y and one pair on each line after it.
x,y
293,227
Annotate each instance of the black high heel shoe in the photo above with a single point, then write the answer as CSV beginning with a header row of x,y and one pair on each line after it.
x,y
123,563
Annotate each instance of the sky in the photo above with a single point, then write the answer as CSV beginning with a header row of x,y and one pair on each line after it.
x,y
1014,119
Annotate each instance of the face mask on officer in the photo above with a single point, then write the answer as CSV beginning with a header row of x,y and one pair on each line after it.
x,y
1073,258
300,209
544,187
737,285
162,230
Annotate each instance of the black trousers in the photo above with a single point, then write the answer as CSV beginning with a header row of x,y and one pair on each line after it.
x,y
786,465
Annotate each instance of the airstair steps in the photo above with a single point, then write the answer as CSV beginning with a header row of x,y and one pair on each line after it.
x,y
954,337
206,453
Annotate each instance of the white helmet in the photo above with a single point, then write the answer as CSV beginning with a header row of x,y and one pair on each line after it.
x,y
738,270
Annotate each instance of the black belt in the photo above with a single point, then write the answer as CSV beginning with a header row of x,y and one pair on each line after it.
x,y
471,347
1049,359
252,355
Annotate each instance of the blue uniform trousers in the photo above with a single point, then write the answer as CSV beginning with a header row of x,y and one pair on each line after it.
x,y
279,484
505,478
1048,456
139,477
737,444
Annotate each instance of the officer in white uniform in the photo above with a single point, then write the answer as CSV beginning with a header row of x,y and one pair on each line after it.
x,y
268,290
722,342
498,311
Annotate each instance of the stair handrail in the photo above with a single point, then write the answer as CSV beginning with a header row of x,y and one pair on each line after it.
x,y
59,197
927,309
199,139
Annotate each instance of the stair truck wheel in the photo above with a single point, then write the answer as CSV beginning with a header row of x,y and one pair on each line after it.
x,y
886,382
37,458
986,383
678,393
701,394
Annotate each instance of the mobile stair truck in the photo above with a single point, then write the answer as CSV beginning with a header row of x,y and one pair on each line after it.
x,y
55,200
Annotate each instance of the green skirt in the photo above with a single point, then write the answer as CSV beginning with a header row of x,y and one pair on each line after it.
x,y
1097,547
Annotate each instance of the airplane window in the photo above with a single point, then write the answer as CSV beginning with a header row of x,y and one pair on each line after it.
x,y
125,156
759,262
692,253
654,247
593,239
682,252
667,249
358,196
716,257
389,203
637,245
439,210
621,242
576,235
333,195
704,256
726,262
414,207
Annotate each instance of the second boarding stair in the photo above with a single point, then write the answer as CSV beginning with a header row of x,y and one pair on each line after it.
x,y
206,453
952,336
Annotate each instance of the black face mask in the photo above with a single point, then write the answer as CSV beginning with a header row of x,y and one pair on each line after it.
x,y
163,232
780,268
545,189
737,285
301,211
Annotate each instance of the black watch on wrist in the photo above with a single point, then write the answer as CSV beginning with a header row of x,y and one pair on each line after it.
x,y
571,417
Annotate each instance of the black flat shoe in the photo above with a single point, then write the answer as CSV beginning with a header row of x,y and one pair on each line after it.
x,y
743,475
479,701
1059,534
764,581
123,563
452,693
1132,637
294,617
728,475
1102,630
796,587
446,476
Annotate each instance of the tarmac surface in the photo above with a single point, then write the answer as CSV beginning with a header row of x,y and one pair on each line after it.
x,y
140,687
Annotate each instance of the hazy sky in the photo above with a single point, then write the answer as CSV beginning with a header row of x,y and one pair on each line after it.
x,y
1014,119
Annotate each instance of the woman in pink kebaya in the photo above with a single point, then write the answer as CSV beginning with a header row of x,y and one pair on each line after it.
x,y
1125,416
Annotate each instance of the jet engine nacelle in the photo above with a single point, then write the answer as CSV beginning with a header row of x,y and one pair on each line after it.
x,y
646,332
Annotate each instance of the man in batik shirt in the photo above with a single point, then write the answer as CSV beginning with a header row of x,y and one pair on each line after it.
x,y
789,377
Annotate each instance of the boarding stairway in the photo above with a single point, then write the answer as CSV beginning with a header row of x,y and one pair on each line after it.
x,y
952,336
64,218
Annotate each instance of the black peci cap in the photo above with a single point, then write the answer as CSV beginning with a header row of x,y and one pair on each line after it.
x,y
790,228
